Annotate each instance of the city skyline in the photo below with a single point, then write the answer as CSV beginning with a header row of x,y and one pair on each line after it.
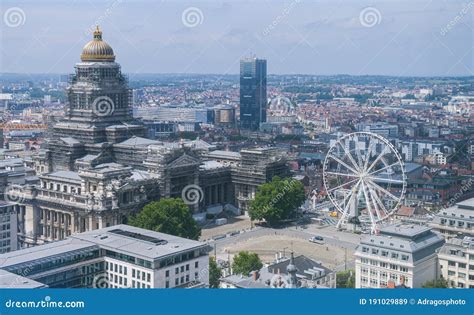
x,y
296,37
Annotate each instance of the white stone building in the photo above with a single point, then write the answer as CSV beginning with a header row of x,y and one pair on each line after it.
x,y
404,254
456,259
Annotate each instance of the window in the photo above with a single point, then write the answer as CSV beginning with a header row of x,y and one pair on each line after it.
x,y
133,273
196,264
395,255
405,257
167,284
148,277
187,267
462,265
176,281
365,249
182,268
176,271
375,251
384,253
451,263
167,273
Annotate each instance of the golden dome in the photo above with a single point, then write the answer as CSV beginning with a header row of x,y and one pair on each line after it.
x,y
97,49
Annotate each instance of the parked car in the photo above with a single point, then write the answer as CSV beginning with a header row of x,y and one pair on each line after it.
x,y
317,239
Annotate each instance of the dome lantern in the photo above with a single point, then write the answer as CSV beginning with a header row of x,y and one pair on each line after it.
x,y
97,49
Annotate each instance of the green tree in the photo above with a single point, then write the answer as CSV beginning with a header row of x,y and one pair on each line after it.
x,y
169,215
345,279
215,273
277,200
438,283
245,262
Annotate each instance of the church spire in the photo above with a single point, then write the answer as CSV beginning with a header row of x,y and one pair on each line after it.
x,y
291,270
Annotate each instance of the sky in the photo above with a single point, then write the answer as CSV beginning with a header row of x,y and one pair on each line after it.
x,y
391,37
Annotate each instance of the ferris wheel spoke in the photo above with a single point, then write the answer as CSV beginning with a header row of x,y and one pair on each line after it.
x,y
367,156
342,174
381,155
360,160
345,212
379,188
342,163
375,200
367,202
351,158
340,186
384,168
386,180
380,203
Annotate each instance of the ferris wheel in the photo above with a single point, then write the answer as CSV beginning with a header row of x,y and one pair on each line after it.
x,y
364,177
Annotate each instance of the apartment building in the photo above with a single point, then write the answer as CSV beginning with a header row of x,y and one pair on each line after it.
x,y
403,253
456,259
456,220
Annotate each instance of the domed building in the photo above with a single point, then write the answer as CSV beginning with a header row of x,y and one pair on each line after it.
x,y
98,113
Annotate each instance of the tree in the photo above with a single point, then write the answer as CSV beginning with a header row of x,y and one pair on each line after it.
x,y
437,283
277,200
345,279
215,273
245,262
169,215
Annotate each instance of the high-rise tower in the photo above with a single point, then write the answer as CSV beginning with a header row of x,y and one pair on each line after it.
x,y
253,93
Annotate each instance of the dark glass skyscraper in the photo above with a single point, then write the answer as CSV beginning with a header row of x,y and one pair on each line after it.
x,y
253,93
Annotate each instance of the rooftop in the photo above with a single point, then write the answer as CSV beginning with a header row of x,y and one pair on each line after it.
x,y
133,241
10,280
65,174
226,154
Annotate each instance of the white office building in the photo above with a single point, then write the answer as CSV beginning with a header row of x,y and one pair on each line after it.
x,y
456,259
403,254
119,256
457,220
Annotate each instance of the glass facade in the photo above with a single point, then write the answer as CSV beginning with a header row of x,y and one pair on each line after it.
x,y
253,93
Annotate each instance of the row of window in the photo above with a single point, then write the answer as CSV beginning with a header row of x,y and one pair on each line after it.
x,y
144,276
61,188
386,253
382,264
459,265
